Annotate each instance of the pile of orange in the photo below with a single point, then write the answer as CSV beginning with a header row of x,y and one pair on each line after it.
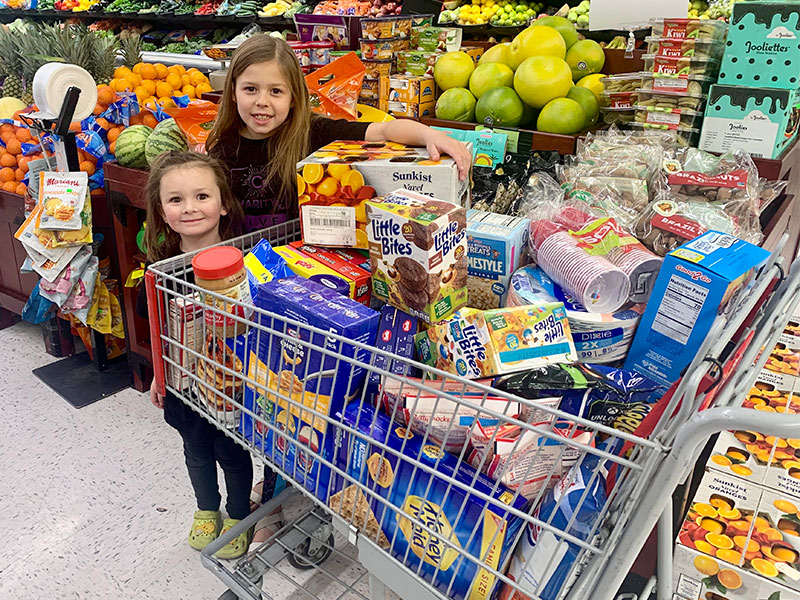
x,y
156,84
13,165
144,117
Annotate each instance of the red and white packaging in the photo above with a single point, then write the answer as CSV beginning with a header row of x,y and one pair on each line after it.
x,y
523,459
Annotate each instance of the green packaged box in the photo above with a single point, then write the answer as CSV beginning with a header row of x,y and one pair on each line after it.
x,y
761,121
763,48
416,62
433,39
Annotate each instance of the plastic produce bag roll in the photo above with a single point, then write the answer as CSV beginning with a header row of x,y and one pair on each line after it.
x,y
599,285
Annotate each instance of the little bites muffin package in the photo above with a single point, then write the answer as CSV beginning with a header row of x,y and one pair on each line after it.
x,y
418,254
475,343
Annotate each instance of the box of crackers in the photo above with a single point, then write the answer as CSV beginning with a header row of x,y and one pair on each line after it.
x,y
418,253
293,374
410,495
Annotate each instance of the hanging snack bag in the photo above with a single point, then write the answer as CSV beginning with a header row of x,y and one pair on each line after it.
x,y
60,289
62,196
334,88
542,561
80,299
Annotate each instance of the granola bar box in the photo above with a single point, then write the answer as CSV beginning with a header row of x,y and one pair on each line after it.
x,y
335,182
403,496
495,248
418,254
288,358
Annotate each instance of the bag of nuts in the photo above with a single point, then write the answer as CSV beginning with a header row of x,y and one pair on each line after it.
x,y
692,202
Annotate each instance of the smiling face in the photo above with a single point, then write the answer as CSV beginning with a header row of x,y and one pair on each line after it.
x,y
192,205
263,99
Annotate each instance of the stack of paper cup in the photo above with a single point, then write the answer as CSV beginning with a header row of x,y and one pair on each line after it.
x,y
640,265
593,280
599,338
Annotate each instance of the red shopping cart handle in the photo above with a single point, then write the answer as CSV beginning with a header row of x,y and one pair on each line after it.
x,y
155,331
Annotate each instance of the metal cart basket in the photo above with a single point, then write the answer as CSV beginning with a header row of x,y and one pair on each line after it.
x,y
431,524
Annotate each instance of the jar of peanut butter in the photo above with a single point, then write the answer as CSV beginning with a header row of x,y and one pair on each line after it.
x,y
221,270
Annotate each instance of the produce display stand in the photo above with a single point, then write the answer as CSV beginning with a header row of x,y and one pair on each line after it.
x,y
126,203
638,494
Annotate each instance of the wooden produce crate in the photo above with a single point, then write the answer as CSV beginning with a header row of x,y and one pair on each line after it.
x,y
127,205
15,287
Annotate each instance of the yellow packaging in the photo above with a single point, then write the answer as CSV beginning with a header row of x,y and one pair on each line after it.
x,y
411,88
411,110
305,267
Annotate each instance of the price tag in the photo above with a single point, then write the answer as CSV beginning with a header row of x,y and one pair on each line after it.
x,y
623,14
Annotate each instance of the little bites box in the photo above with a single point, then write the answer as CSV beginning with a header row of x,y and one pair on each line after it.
x,y
697,282
418,253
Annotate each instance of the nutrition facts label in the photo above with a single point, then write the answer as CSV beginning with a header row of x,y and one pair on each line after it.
x,y
682,303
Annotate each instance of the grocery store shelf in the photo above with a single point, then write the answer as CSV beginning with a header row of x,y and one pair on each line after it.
x,y
198,61
189,20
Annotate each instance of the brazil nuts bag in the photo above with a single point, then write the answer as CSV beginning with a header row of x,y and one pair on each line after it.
x,y
701,192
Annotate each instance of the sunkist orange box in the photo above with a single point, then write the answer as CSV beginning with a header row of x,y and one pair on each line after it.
x,y
334,183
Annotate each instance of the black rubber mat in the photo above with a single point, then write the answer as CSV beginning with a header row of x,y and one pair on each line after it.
x,y
77,380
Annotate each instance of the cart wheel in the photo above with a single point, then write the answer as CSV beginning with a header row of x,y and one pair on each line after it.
x,y
231,595
302,559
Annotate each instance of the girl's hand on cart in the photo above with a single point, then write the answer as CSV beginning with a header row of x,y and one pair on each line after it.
x,y
156,398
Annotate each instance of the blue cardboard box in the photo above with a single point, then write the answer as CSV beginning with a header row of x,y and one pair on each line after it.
x,y
466,521
698,281
314,380
396,332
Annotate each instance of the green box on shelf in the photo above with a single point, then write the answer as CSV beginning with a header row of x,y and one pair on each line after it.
x,y
763,47
761,121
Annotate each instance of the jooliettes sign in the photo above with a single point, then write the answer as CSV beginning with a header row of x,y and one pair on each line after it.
x,y
624,14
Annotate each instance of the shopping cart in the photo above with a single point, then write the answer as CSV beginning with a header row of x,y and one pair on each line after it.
x,y
437,548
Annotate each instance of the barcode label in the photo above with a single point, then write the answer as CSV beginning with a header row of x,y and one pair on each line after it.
x,y
711,242
329,225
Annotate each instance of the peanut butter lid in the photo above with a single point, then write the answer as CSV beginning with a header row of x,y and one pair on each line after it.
x,y
218,262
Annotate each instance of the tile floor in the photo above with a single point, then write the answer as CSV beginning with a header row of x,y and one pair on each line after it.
x,y
96,501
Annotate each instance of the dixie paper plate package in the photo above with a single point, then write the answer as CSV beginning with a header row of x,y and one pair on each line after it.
x,y
459,518
303,373
697,282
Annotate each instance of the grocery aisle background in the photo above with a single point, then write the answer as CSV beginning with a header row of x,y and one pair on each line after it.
x,y
97,501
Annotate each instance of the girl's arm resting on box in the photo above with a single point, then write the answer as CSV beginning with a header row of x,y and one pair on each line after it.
x,y
412,133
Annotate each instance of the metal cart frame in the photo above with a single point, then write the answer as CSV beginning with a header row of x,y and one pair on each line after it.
x,y
640,493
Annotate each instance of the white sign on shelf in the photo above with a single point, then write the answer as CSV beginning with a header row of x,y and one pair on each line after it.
x,y
632,14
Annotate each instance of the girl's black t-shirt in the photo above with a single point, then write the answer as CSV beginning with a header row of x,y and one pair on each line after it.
x,y
246,162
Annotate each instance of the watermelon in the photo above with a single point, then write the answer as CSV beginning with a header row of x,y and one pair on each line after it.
x,y
130,148
166,136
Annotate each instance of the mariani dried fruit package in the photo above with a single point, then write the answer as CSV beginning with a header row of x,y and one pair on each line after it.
x,y
62,196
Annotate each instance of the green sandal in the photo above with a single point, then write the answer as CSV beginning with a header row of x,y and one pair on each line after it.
x,y
205,528
238,546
